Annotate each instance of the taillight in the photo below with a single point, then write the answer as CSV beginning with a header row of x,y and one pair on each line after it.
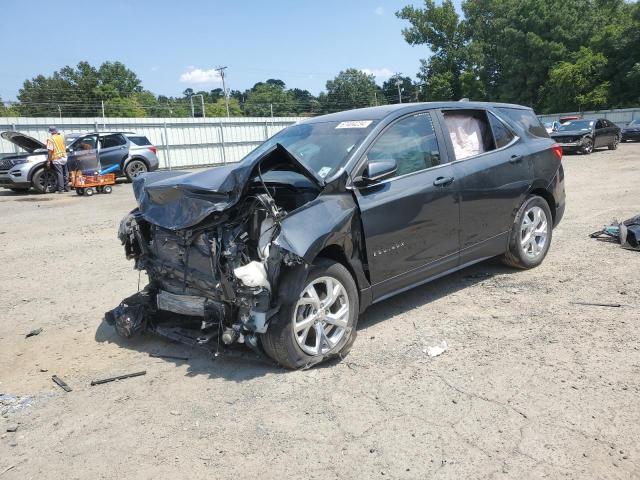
x,y
557,149
155,150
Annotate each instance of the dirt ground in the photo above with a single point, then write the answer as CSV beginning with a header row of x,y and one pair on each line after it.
x,y
532,385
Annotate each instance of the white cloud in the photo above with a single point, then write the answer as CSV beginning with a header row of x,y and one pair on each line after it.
x,y
155,68
380,73
379,11
199,76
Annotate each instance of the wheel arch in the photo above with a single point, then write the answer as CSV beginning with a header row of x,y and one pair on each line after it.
x,y
34,169
128,159
548,197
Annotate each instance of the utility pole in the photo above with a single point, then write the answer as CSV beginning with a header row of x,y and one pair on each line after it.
x,y
59,111
221,70
399,85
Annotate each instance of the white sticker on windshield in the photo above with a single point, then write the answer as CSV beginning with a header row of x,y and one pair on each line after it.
x,y
324,171
354,124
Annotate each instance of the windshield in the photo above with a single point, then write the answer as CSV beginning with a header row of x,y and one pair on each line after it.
x,y
635,123
322,147
576,125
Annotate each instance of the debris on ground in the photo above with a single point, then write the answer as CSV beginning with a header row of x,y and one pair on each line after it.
x,y
61,383
171,357
119,377
626,233
436,350
613,305
12,427
33,333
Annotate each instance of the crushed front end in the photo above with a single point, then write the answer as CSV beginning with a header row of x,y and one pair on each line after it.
x,y
210,253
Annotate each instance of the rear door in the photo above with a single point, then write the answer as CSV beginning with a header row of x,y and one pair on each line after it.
x,y
113,150
411,220
493,182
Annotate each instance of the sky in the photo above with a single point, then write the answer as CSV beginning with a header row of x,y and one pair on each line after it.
x,y
175,45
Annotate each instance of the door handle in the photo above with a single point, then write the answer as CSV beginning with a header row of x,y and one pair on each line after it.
x,y
515,159
443,181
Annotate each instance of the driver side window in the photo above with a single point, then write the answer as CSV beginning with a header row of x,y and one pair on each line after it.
x,y
411,142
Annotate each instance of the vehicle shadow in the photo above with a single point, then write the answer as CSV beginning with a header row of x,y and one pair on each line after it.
x,y
241,364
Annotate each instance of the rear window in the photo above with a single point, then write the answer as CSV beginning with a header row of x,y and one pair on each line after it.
x,y
139,140
527,119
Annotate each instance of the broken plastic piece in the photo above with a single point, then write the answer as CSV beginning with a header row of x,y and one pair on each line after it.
x,y
436,350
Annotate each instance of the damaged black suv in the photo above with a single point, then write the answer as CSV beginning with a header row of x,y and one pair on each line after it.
x,y
285,249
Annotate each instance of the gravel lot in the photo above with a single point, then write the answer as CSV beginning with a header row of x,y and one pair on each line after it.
x,y
532,385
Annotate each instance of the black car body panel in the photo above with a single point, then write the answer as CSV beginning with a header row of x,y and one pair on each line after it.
x,y
194,233
631,131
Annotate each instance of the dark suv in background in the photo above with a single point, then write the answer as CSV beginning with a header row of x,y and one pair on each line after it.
x,y
131,154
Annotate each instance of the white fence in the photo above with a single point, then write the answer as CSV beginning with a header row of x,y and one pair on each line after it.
x,y
620,117
181,142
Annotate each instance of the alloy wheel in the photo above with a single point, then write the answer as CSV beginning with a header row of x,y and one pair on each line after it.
x,y
587,147
321,316
534,230
47,181
136,168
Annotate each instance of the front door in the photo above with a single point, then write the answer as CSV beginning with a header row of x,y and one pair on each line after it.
x,y
83,155
411,220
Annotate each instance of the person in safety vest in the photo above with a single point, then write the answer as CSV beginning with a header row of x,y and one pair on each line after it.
x,y
58,159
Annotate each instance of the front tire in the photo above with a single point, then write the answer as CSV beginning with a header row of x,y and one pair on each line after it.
x,y
530,235
321,322
134,169
44,180
587,147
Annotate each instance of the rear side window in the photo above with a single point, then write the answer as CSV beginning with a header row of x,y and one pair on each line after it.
x,y
527,119
469,131
140,140
411,142
109,141
501,134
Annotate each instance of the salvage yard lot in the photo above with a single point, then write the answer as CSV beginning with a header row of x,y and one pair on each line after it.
x,y
532,385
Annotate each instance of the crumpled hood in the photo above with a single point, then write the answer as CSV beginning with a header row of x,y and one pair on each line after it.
x,y
570,133
177,199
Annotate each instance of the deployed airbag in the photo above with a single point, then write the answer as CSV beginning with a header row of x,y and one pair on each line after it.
x,y
466,134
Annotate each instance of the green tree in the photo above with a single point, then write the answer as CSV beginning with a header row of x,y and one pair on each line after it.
x,y
409,90
271,94
79,91
578,84
7,110
351,88
219,108
441,29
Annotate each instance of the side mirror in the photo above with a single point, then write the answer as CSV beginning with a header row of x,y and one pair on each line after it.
x,y
377,171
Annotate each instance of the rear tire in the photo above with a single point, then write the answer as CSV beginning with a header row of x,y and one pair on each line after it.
x,y
44,180
614,145
135,168
315,328
80,191
530,235
107,189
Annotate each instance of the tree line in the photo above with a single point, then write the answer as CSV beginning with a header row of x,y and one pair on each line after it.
x,y
553,55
